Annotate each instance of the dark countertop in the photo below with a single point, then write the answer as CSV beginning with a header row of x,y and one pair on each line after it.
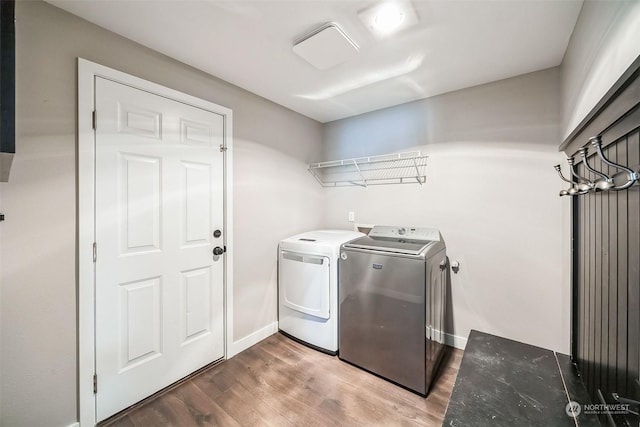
x,y
502,382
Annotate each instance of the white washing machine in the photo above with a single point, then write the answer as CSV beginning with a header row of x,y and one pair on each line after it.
x,y
308,287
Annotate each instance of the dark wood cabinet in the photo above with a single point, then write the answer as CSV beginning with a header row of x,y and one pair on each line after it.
x,y
606,260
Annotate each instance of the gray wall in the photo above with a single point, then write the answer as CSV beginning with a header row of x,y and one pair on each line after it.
x,y
492,191
603,45
274,197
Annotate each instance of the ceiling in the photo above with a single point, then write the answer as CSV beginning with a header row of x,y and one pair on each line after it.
x,y
455,44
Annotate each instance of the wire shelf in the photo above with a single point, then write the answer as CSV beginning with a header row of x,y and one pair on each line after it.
x,y
400,168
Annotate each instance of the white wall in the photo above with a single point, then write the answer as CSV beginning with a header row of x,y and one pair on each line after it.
x,y
38,247
275,197
603,45
492,191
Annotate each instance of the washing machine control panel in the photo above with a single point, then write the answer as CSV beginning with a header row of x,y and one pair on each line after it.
x,y
412,233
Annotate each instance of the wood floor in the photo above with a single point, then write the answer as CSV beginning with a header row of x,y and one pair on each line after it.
x,y
279,382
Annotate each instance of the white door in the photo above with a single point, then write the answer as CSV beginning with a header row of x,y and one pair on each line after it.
x,y
159,201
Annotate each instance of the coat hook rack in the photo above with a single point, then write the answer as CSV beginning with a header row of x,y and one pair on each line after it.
x,y
596,141
582,185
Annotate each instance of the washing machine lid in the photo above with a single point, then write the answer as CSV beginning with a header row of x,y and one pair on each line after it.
x,y
397,239
395,245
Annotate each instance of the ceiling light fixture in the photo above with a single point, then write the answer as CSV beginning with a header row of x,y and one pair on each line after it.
x,y
389,17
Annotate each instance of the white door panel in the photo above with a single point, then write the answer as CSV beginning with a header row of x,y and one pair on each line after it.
x,y
196,203
159,197
139,195
140,321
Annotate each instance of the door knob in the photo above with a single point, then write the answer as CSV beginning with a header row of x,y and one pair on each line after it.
x,y
218,250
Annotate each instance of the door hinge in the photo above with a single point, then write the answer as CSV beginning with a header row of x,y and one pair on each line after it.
x,y
223,148
95,251
93,119
95,384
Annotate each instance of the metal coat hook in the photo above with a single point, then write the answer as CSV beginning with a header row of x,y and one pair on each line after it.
x,y
583,184
572,191
596,141
455,266
604,184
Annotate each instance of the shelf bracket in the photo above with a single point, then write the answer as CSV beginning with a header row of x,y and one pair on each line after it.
x,y
360,172
415,165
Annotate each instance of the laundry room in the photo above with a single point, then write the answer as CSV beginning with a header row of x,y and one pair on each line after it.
x,y
170,168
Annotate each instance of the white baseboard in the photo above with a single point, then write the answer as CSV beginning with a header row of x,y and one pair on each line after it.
x,y
455,341
251,339
74,425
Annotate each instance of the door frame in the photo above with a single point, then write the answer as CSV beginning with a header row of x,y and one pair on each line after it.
x,y
87,73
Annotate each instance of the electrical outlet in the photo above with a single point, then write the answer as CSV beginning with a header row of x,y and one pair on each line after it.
x,y
352,216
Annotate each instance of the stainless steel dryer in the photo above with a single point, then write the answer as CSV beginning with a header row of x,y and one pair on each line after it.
x,y
392,293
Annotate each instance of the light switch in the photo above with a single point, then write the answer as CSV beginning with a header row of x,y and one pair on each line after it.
x,y
352,216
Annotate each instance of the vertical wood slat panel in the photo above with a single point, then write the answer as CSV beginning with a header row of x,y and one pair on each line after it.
x,y
575,274
582,330
590,318
610,383
587,283
582,346
604,290
633,332
597,309
607,280
621,356
585,279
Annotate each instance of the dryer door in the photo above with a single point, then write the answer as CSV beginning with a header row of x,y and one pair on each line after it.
x,y
304,283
